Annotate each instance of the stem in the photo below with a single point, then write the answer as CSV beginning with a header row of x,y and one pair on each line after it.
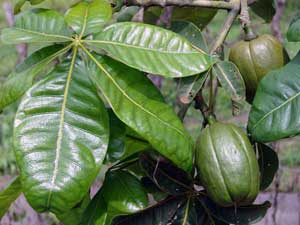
x,y
198,3
225,29
244,15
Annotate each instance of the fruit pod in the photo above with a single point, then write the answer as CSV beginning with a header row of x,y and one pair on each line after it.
x,y
255,58
227,165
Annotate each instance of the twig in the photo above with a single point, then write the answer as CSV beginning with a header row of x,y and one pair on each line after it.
x,y
275,26
9,15
164,3
244,15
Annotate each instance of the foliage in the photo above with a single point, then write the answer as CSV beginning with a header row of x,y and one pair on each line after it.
x,y
86,101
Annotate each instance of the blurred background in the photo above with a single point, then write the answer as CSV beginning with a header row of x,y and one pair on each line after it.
x,y
285,190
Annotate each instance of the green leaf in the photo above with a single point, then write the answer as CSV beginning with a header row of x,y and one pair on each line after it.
x,y
37,26
268,164
188,87
9,194
75,214
89,17
265,9
96,212
274,113
127,13
293,33
241,215
181,210
18,5
138,103
124,193
230,79
19,81
61,128
151,49
191,32
122,141
166,176
157,214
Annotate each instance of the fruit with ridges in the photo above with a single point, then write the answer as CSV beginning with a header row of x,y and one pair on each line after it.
x,y
257,57
227,165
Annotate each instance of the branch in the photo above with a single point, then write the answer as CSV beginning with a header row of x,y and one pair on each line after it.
x,y
276,19
199,3
225,29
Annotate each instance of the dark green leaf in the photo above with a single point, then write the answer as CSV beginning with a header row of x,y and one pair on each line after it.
x,y
274,114
96,212
166,176
74,215
293,33
241,215
152,188
89,17
22,78
122,141
124,193
37,26
230,79
9,194
158,214
268,164
265,9
61,128
151,49
137,102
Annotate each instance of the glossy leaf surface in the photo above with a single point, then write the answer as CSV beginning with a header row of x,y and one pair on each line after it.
x,y
274,114
9,194
151,49
268,164
61,137
124,193
122,141
137,102
88,17
293,33
22,78
37,26
166,176
230,79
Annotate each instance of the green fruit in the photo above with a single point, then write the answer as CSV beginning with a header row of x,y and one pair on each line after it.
x,y
256,58
227,165
199,16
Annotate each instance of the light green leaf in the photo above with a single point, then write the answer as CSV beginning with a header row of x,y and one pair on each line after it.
x,y
61,128
230,79
9,194
37,26
137,102
89,17
275,110
151,49
293,33
22,78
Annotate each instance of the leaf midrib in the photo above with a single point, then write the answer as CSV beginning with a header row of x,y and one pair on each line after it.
x,y
128,97
275,109
61,126
144,48
43,34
